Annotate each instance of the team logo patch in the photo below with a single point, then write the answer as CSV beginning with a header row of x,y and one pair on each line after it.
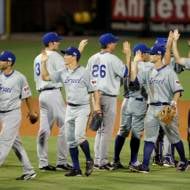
x,y
26,88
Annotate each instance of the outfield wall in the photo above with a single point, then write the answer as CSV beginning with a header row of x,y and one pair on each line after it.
x,y
31,130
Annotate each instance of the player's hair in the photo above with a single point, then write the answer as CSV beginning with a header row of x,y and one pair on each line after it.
x,y
103,46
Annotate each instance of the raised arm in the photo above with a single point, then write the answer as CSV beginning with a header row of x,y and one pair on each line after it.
x,y
82,45
167,56
178,59
134,65
45,73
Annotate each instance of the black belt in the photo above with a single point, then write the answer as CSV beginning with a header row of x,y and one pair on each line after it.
x,y
5,111
159,103
74,105
110,95
53,88
139,99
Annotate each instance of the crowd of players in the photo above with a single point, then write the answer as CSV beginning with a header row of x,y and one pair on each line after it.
x,y
150,82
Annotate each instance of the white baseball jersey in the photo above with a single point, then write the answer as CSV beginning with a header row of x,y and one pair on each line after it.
x,y
161,84
106,72
13,88
77,84
55,62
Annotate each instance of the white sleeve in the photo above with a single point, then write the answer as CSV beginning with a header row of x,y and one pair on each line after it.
x,y
25,88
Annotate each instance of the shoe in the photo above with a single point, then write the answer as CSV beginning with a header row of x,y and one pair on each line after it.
x,y
48,168
168,162
27,176
141,169
117,165
73,172
183,166
107,166
132,166
63,167
96,166
157,162
89,167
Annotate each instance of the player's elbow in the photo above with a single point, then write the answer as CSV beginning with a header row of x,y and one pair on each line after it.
x,y
45,77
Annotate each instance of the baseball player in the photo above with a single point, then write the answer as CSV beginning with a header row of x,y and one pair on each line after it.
x,y
13,89
76,79
52,105
163,88
106,70
133,111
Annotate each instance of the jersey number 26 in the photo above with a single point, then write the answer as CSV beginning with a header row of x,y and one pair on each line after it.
x,y
99,71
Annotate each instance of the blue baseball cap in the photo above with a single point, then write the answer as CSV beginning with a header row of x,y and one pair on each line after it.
x,y
141,47
72,51
161,41
108,38
157,50
7,56
51,37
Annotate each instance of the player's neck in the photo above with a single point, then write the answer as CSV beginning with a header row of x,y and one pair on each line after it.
x,y
8,71
158,64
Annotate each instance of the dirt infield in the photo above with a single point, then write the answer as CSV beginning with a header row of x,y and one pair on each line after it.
x,y
31,130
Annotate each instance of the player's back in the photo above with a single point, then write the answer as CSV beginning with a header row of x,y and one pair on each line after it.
x,y
55,62
106,72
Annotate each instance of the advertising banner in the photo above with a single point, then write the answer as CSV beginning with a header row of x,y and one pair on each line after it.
x,y
160,15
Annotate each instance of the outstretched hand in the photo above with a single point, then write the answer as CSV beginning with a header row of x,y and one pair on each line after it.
x,y
82,45
176,34
127,48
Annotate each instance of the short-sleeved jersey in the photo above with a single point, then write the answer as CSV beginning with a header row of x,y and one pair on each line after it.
x,y
13,89
55,62
187,63
106,71
142,67
77,84
161,84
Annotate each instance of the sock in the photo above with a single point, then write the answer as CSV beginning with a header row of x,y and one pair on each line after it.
x,y
119,142
172,152
180,149
148,148
134,145
85,148
74,156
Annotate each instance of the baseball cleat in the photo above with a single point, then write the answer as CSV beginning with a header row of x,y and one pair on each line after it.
x,y
27,176
89,167
141,169
107,166
183,166
48,168
168,162
74,172
117,165
63,167
96,166
157,162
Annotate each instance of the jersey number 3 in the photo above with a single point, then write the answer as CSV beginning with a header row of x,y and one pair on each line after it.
x,y
37,69
99,71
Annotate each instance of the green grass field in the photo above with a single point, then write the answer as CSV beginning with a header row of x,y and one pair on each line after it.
x,y
27,49
158,179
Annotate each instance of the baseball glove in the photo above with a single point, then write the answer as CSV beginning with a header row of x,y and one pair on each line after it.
x,y
167,114
96,121
33,118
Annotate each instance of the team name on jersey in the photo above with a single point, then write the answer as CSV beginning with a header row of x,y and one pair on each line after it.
x,y
72,81
156,81
5,89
